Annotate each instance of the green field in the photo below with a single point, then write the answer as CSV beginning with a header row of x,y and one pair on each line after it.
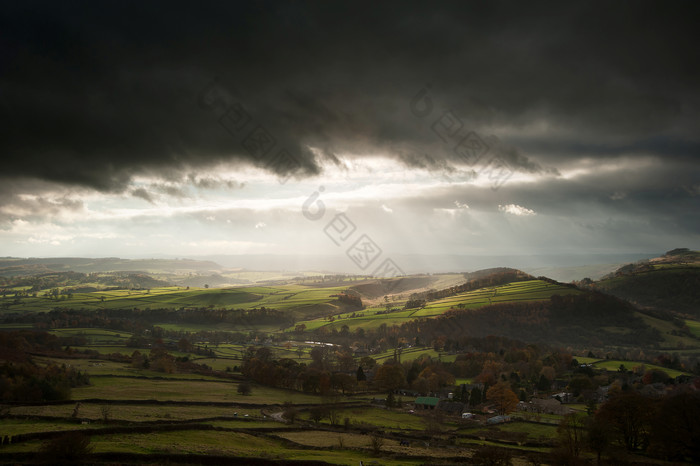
x,y
285,297
694,327
372,318
614,365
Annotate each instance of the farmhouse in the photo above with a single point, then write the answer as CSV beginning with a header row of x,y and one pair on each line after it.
x,y
426,402
544,406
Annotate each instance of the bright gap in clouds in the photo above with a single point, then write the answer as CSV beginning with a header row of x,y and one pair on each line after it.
x,y
244,210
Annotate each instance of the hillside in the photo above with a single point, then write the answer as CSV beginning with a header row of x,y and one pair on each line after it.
x,y
583,320
502,301
670,282
13,266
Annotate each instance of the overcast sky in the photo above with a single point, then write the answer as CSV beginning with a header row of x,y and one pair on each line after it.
x,y
198,128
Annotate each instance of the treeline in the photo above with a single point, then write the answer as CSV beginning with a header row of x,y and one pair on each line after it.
x,y
349,299
26,382
51,280
22,380
136,320
667,428
15,345
321,376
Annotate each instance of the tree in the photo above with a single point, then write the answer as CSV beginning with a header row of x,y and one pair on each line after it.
x,y
579,383
376,442
629,416
106,411
492,456
244,388
389,377
342,381
290,413
598,437
475,397
571,434
675,431
502,397
184,345
360,375
69,448
318,413
367,362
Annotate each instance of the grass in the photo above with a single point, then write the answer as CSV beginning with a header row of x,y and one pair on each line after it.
x,y
667,328
299,298
385,419
135,412
614,365
694,327
121,388
532,431
530,290
14,427
586,359
94,336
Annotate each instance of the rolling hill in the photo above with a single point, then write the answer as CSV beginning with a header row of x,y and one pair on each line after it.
x,y
670,282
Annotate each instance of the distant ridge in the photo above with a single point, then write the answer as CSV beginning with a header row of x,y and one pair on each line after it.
x,y
26,266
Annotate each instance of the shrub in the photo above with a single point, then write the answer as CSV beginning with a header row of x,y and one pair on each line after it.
x,y
68,448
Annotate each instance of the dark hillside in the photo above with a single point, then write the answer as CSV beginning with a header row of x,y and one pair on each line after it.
x,y
670,282
584,320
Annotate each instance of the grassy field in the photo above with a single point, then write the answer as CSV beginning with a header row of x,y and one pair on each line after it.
x,y
285,297
120,388
694,327
522,431
667,328
378,417
372,318
133,413
614,365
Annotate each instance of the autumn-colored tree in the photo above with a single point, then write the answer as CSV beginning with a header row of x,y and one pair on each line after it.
x,y
184,345
572,434
489,372
676,428
598,437
502,397
629,416
389,377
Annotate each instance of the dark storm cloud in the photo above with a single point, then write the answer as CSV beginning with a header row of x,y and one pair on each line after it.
x,y
94,93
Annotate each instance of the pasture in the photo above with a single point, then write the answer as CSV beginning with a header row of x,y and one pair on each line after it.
x,y
372,318
613,365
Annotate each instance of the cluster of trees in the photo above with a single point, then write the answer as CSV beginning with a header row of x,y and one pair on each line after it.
x,y
71,281
350,299
22,380
140,321
667,427
27,382
318,377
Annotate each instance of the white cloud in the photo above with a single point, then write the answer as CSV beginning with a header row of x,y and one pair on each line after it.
x,y
460,205
515,209
618,195
387,209
260,225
